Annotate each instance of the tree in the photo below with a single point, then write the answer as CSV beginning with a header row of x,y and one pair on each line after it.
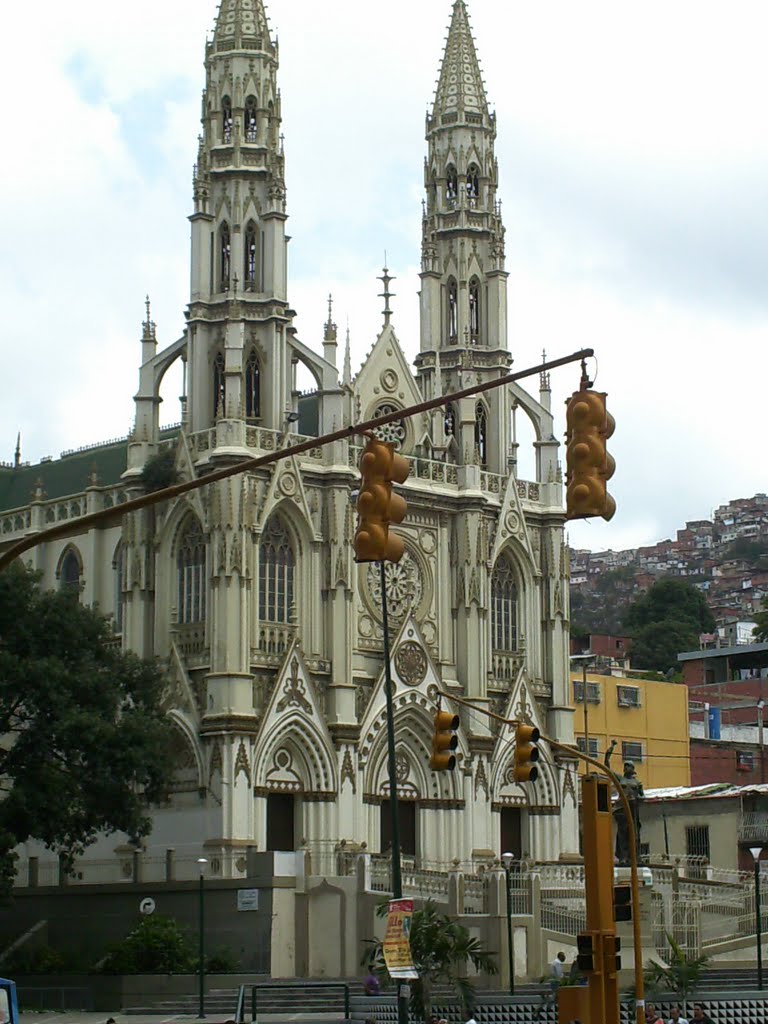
x,y
667,619
441,949
85,743
760,631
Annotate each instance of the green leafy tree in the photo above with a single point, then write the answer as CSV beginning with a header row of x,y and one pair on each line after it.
x,y
157,945
666,620
86,744
760,632
441,949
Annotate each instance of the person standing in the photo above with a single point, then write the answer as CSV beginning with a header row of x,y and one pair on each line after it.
x,y
557,970
677,1017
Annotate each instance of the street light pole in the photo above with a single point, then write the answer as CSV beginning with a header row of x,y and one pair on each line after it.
x,y
756,851
506,859
202,861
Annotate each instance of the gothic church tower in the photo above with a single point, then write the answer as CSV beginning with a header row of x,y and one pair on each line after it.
x,y
464,283
238,314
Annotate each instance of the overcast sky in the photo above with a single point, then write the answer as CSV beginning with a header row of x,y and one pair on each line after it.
x,y
633,156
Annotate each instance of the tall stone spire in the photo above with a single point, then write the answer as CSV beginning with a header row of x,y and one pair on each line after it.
x,y
460,87
242,25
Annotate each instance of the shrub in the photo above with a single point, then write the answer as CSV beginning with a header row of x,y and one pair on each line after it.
x,y
158,945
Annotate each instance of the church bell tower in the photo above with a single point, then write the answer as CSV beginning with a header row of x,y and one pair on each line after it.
x,y
464,283
238,315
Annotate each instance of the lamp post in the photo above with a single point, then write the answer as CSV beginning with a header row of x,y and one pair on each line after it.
x,y
756,851
506,859
202,861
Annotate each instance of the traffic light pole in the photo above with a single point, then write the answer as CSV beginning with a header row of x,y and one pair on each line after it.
x,y
633,862
397,873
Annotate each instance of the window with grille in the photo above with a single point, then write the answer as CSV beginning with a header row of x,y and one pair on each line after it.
x,y
276,574
593,693
581,745
745,761
697,841
190,565
504,606
628,696
631,751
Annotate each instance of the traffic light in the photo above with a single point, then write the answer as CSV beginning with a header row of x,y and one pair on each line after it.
x,y
588,464
444,742
622,902
611,950
585,952
380,467
526,753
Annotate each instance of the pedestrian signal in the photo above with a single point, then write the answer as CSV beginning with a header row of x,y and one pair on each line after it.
x,y
585,958
611,959
622,902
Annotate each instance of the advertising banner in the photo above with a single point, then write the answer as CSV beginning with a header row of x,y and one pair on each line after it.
x,y
396,945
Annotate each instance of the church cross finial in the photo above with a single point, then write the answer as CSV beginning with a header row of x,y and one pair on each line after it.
x,y
386,294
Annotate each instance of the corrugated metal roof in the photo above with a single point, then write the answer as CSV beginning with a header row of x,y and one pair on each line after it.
x,y
714,789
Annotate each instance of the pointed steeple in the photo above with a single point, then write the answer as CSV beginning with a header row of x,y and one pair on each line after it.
x,y
347,374
242,25
460,87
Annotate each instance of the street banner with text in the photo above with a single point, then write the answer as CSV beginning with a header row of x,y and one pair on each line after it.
x,y
397,945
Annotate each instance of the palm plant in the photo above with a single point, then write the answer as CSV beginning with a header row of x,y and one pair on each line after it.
x,y
441,949
682,975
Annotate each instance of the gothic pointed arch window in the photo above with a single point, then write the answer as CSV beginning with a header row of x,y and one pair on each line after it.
x,y
251,124
119,565
225,257
190,573
252,387
219,386
473,184
250,256
481,434
451,185
70,573
450,421
226,119
277,568
504,607
453,311
474,310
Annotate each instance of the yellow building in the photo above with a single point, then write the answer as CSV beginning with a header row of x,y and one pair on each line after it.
x,y
648,720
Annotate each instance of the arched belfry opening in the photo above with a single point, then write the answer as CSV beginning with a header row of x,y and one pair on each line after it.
x,y
250,120
453,311
251,257
226,119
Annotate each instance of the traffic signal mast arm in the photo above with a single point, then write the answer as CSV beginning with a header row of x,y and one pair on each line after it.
x,y
634,873
114,514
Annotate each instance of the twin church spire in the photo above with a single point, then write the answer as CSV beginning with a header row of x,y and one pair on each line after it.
x,y
460,89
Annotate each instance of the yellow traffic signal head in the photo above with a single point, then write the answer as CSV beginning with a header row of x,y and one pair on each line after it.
x,y
444,742
588,464
377,505
526,753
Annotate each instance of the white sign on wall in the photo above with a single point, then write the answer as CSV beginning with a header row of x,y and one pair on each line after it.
x,y
147,906
247,899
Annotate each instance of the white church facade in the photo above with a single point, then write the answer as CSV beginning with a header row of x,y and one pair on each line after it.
x,y
247,588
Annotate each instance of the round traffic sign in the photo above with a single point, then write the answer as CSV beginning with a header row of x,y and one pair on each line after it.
x,y
147,906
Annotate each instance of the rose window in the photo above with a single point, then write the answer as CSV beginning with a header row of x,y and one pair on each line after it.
x,y
394,432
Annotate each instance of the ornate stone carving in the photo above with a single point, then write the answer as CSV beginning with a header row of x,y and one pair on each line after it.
x,y
241,763
348,771
405,587
294,692
411,663
402,768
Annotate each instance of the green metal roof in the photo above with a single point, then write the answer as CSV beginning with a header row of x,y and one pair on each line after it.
x,y
69,474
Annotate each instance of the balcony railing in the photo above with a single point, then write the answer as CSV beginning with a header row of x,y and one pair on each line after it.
x,y
753,827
